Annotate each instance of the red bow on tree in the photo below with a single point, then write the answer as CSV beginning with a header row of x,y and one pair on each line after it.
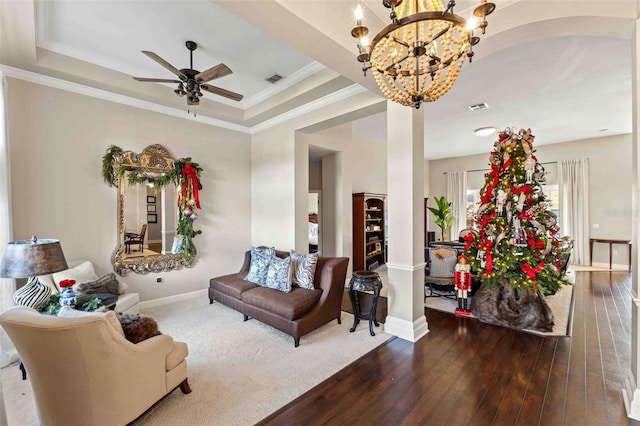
x,y
532,272
531,242
191,179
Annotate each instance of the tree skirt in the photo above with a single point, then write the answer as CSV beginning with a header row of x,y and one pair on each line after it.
x,y
560,304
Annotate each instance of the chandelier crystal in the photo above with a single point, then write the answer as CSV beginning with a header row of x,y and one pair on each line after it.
x,y
418,56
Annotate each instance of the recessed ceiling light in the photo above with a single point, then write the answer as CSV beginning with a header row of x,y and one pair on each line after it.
x,y
485,131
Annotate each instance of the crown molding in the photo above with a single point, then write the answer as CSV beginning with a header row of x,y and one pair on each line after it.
x,y
342,94
117,98
43,41
93,92
285,83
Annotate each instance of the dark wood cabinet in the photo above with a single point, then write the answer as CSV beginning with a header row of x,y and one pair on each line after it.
x,y
369,243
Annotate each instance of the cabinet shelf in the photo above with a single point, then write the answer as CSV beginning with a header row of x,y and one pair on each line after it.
x,y
372,255
368,210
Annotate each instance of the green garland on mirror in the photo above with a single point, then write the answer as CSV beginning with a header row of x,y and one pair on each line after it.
x,y
185,175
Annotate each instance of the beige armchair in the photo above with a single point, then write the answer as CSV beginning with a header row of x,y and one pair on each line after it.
x,y
84,372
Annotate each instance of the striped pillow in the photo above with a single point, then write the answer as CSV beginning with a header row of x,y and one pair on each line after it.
x,y
304,268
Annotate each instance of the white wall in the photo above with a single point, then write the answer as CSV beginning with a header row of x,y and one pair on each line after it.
x,y
57,140
609,182
280,175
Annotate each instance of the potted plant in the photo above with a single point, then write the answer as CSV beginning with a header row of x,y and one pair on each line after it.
x,y
444,217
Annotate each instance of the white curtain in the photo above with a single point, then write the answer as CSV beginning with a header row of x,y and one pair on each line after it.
x,y
573,177
457,196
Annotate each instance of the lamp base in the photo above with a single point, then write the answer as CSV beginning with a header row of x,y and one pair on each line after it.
x,y
34,294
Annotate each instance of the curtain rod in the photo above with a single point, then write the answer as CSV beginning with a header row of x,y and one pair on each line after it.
x,y
486,170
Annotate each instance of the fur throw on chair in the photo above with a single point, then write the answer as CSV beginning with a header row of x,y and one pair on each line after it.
x,y
138,327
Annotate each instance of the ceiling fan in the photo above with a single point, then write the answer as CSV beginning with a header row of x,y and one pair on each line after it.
x,y
191,81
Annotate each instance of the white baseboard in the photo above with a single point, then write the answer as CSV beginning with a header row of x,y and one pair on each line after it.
x,y
623,267
175,298
407,330
631,397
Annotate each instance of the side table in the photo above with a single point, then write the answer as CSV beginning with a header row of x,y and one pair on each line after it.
x,y
611,243
364,281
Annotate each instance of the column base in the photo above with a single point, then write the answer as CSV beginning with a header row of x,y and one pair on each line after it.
x,y
631,397
407,330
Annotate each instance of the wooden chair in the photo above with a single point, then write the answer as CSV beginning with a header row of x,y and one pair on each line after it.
x,y
131,238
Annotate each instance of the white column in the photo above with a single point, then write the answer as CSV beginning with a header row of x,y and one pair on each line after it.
x,y
405,202
631,392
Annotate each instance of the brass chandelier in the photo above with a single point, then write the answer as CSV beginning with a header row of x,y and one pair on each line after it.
x,y
418,56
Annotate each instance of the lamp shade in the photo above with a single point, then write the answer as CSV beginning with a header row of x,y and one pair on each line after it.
x,y
29,258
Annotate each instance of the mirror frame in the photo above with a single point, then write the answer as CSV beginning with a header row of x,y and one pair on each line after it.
x,y
156,159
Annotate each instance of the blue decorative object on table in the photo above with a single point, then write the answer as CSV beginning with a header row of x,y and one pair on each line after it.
x,y
67,296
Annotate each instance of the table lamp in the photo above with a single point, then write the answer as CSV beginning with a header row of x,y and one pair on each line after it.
x,y
28,259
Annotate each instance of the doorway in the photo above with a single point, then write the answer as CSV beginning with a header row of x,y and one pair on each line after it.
x,y
315,221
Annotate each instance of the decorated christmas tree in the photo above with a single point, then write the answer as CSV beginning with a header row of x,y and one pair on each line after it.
x,y
516,241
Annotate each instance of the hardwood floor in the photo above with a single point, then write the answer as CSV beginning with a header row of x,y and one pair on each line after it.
x,y
465,372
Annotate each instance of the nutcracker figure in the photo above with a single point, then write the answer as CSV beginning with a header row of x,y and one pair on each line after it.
x,y
462,281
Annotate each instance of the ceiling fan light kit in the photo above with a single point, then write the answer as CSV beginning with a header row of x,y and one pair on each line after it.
x,y
191,81
418,56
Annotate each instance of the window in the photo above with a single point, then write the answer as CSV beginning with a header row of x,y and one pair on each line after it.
x,y
476,180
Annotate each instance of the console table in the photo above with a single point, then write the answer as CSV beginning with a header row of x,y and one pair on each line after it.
x,y
611,243
364,281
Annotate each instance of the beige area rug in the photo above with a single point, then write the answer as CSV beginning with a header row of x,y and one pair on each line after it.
x,y
561,305
240,372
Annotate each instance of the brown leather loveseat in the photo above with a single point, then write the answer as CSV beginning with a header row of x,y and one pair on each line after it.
x,y
295,313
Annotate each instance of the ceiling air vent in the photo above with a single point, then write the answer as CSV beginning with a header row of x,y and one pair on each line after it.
x,y
274,78
478,107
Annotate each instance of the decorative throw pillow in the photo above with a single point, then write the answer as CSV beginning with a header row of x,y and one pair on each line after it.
x,y
105,284
82,273
69,312
138,327
304,268
279,274
260,259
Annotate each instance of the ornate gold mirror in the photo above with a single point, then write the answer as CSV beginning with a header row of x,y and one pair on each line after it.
x,y
155,233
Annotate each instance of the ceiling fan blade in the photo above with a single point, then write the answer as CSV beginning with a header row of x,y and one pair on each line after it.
x,y
156,80
222,92
165,64
212,73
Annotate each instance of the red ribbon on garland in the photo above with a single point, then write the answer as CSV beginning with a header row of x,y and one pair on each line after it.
x,y
486,246
495,174
531,242
469,239
523,189
532,272
191,178
484,220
